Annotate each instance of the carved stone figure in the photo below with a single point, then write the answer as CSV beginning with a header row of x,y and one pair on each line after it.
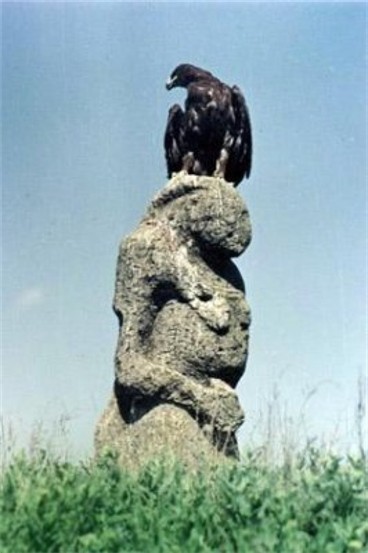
x,y
183,325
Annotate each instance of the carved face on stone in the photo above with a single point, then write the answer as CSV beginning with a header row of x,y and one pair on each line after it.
x,y
218,219
205,209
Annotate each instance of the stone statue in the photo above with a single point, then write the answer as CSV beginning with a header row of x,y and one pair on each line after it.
x,y
183,325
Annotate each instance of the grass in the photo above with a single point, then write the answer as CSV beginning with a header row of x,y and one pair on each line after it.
x,y
315,504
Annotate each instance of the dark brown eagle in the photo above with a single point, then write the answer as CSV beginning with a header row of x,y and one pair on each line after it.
x,y
213,135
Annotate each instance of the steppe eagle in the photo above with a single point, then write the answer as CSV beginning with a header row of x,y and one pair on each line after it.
x,y
212,135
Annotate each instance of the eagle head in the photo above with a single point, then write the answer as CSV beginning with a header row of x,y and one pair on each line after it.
x,y
185,74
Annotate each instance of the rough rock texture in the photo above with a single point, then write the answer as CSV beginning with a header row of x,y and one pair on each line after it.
x,y
184,325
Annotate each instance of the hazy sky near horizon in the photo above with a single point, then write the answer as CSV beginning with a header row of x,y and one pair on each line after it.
x,y
84,111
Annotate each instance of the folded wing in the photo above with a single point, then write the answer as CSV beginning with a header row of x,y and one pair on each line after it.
x,y
174,140
240,151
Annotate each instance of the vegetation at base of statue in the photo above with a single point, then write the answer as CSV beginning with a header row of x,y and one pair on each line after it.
x,y
316,502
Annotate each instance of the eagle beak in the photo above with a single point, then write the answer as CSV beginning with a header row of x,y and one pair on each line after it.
x,y
170,83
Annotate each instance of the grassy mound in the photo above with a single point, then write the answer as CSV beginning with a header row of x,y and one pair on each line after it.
x,y
316,505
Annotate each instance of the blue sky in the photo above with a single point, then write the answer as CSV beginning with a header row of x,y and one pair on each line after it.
x,y
84,111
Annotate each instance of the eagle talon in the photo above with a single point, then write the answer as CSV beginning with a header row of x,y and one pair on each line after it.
x,y
221,165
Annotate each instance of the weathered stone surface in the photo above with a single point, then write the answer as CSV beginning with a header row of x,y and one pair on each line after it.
x,y
184,323
165,430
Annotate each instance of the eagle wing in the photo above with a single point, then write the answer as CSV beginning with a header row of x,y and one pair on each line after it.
x,y
240,152
174,140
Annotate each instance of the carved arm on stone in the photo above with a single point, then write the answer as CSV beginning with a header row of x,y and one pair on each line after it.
x,y
198,291
216,405
194,286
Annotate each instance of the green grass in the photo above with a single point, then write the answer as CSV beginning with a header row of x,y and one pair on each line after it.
x,y
317,504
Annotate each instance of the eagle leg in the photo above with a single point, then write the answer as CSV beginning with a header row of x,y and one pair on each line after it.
x,y
188,162
221,164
